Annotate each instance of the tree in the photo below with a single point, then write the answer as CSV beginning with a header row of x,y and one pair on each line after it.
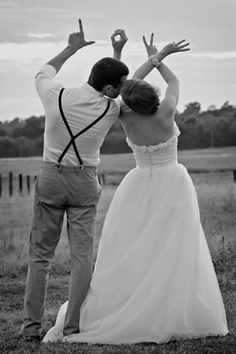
x,y
33,128
3,132
7,147
211,123
24,146
212,107
192,108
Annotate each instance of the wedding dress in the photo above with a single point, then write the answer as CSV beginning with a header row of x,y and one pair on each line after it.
x,y
154,279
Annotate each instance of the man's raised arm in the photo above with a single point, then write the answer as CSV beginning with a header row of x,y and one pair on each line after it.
x,y
76,41
119,43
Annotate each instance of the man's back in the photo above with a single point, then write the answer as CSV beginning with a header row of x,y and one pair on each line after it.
x,y
81,106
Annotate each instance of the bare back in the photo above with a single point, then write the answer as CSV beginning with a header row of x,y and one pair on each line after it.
x,y
150,129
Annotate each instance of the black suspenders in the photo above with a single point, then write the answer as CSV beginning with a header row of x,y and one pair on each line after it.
x,y
73,137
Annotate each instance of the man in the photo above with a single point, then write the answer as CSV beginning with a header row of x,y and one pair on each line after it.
x,y
76,122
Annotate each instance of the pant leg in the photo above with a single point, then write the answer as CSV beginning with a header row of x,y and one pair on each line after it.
x,y
81,222
80,229
44,237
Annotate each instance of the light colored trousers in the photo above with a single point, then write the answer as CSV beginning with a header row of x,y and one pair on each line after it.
x,y
60,190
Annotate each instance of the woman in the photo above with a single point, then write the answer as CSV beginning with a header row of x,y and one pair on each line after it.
x,y
154,280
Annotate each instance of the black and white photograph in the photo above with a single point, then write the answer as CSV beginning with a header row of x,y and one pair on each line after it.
x,y
118,176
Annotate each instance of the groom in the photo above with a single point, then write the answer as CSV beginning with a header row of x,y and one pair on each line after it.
x,y
76,122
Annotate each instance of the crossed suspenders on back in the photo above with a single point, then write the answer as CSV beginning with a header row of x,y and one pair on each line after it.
x,y
73,137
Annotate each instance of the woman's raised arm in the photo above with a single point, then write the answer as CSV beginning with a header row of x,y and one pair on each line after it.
x,y
155,60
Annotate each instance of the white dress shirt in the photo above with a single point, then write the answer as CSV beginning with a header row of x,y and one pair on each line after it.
x,y
81,106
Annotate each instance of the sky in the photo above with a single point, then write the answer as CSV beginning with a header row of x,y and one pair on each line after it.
x,y
34,31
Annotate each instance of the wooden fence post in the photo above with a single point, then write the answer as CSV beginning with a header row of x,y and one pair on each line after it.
x,y
101,178
28,183
10,183
234,175
20,183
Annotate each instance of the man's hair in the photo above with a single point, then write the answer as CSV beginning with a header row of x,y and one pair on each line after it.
x,y
107,71
140,96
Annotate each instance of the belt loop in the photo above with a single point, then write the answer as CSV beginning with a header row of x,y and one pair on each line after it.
x,y
79,168
60,167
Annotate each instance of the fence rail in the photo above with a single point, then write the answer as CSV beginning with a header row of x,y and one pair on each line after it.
x,y
23,184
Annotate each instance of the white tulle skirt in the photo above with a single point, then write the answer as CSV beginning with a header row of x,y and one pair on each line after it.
x,y
154,279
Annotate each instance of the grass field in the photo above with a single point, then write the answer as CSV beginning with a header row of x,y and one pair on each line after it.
x,y
218,158
217,201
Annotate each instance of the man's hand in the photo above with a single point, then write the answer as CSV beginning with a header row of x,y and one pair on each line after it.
x,y
150,48
118,40
76,40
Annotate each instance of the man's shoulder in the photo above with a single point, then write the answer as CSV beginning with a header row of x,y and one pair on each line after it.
x,y
114,108
91,100
81,91
114,103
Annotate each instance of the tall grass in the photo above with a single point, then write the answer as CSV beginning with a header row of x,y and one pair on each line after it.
x,y
217,201
15,225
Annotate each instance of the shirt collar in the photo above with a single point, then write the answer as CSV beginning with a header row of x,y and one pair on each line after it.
x,y
91,91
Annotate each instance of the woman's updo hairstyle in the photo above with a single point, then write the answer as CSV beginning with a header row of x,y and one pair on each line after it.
x,y
140,96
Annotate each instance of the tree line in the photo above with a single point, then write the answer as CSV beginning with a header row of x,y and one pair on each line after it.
x,y
199,129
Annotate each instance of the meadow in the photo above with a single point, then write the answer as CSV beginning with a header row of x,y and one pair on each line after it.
x,y
217,200
209,159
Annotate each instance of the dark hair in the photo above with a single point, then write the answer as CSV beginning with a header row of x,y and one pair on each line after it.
x,y
140,96
107,71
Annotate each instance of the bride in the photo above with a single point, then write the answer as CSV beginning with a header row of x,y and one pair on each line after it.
x,y
154,279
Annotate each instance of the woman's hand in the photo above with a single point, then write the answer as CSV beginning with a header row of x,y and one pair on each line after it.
x,y
150,48
76,40
170,48
174,47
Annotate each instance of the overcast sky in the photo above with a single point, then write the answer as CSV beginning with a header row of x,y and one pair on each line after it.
x,y
33,31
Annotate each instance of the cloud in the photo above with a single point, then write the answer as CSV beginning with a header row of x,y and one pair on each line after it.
x,y
39,35
215,55
19,18
8,4
45,50
28,51
15,9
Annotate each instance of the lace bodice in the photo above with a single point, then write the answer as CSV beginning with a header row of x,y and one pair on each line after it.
x,y
162,154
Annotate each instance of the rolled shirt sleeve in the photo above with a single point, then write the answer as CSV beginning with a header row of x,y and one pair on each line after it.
x,y
45,85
